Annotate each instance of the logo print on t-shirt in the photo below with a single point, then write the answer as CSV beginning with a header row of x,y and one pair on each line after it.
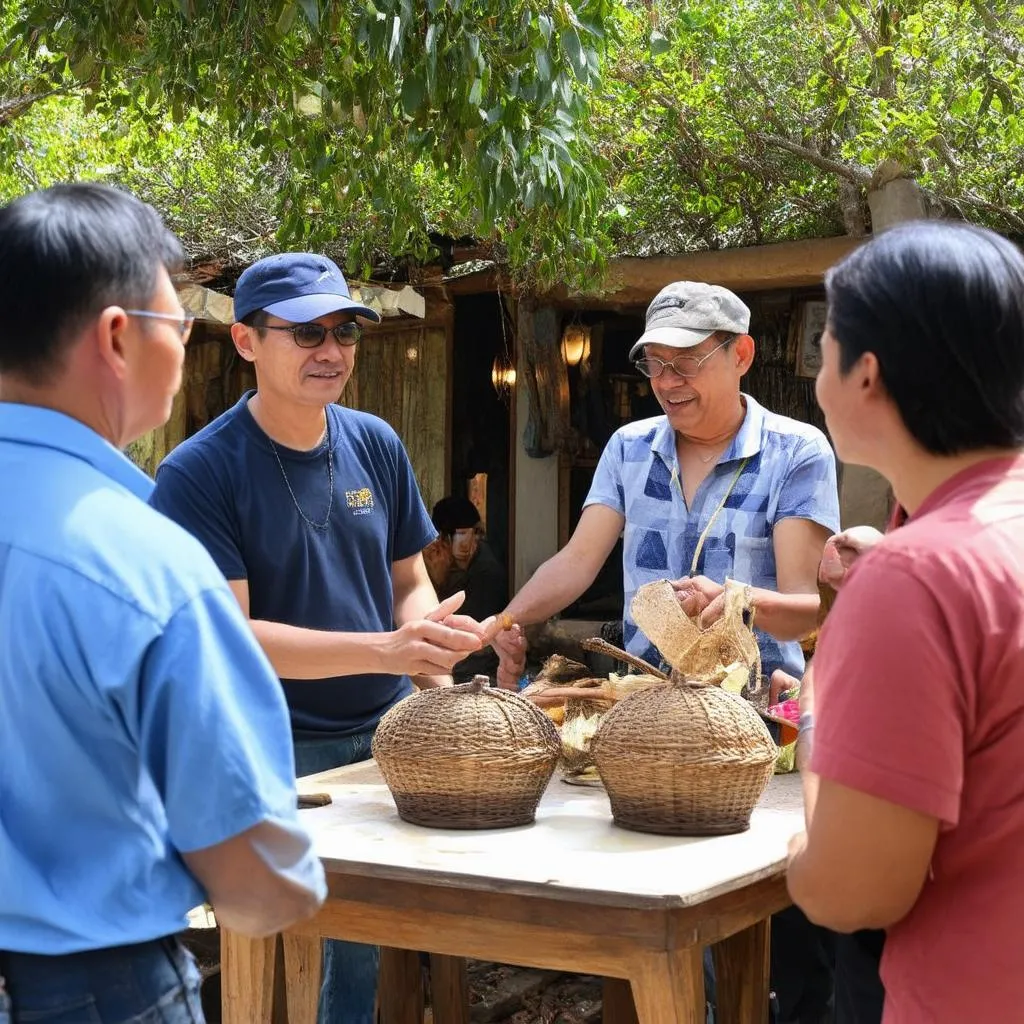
x,y
360,502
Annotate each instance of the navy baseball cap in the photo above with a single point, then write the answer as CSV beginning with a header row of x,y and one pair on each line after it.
x,y
296,286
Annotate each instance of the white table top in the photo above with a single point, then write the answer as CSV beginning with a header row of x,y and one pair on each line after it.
x,y
573,851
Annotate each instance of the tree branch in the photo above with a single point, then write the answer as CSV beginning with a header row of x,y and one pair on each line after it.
x,y
850,172
969,198
942,149
13,107
865,36
1010,48
851,205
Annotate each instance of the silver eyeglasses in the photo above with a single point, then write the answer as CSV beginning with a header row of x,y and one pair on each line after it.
x,y
683,366
183,323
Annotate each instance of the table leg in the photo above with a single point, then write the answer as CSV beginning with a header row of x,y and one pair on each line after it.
x,y
247,968
449,989
617,1002
668,988
303,971
400,986
741,976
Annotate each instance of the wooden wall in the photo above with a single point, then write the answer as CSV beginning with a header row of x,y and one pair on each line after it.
x,y
401,374
214,378
773,380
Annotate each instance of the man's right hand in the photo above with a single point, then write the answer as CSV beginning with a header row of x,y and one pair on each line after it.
x,y
425,648
700,598
432,645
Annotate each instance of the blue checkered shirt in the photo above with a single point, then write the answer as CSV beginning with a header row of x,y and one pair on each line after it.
x,y
790,473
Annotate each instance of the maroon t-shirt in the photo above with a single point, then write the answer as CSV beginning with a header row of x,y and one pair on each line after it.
x,y
919,700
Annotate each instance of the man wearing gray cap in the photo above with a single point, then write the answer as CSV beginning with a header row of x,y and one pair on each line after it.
x,y
716,487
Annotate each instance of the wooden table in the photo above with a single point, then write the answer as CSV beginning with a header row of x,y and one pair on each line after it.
x,y
573,893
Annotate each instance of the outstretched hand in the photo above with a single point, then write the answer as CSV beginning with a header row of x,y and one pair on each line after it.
x,y
509,642
511,647
842,550
434,644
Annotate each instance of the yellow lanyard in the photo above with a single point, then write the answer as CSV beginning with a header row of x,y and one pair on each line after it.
x,y
714,515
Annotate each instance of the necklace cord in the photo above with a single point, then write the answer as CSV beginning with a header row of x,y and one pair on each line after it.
x,y
330,478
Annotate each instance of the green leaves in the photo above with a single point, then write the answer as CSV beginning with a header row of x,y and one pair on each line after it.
x,y
725,121
371,112
558,133
659,43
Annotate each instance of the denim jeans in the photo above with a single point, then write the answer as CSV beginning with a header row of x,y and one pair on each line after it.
x,y
350,969
151,983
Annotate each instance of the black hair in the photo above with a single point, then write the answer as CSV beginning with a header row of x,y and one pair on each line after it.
x,y
257,320
454,513
66,253
941,307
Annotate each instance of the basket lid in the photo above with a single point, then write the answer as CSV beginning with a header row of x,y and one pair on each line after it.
x,y
471,715
699,719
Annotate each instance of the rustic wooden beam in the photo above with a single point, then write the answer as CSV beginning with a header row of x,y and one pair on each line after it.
x,y
783,265
634,281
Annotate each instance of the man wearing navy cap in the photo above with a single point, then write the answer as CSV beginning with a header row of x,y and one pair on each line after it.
x,y
312,512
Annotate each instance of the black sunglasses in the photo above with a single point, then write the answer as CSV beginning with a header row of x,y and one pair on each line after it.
x,y
314,335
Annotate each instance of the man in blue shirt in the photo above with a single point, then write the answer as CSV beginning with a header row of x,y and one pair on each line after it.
x,y
312,512
716,487
147,762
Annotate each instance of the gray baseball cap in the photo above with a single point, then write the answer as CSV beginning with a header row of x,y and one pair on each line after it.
x,y
685,313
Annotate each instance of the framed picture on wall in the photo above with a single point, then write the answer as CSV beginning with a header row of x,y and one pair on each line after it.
x,y
810,325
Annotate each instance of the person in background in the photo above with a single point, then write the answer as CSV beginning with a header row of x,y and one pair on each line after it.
x,y
460,559
147,757
312,512
912,729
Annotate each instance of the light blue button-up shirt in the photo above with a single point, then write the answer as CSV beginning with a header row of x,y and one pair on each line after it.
x,y
790,472
138,716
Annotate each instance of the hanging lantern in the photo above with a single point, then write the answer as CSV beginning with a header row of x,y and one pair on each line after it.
x,y
503,374
576,344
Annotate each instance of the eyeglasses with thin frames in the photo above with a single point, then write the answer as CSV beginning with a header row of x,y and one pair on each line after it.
x,y
682,366
183,323
314,335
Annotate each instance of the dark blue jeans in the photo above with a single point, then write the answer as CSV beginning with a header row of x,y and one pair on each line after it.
x,y
350,968
151,983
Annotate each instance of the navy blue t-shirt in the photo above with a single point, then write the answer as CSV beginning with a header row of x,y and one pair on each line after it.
x,y
226,488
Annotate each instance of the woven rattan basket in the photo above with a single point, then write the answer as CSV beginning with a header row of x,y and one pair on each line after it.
x,y
469,756
690,758
686,759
